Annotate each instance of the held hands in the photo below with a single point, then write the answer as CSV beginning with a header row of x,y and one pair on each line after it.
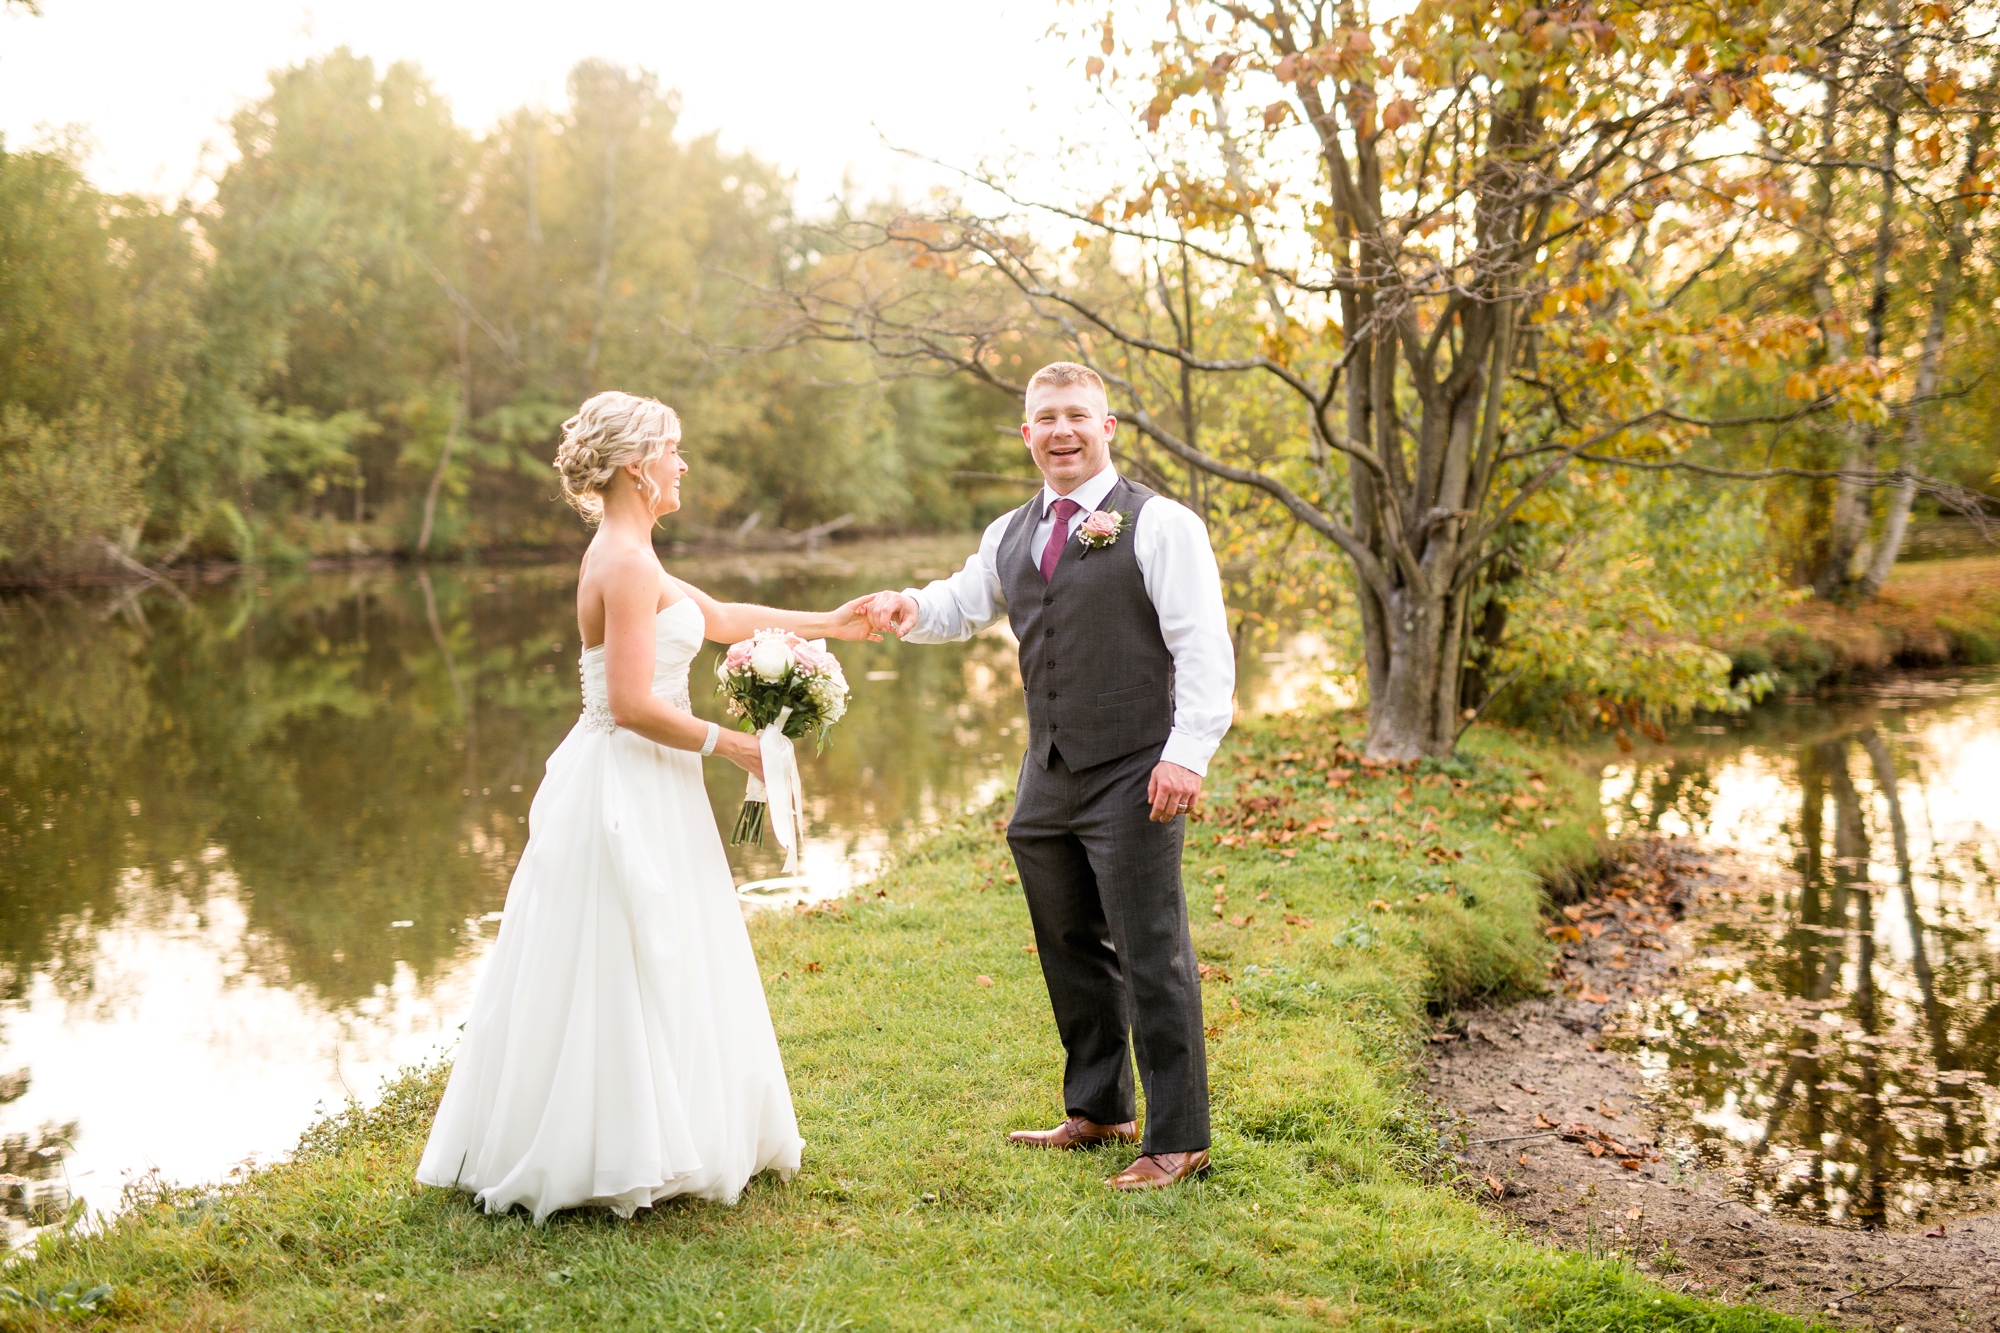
x,y
890,613
1173,791
853,620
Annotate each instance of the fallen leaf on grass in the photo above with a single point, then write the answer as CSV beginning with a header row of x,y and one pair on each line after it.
x,y
814,967
1630,1163
1377,905
1541,1121
1242,922
1029,948
1302,922
1210,972
1530,1090
1635,1214
1564,934
1596,1149
983,979
1604,1109
1589,996
1494,1184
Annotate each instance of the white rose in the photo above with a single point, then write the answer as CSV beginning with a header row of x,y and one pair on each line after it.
x,y
769,660
830,697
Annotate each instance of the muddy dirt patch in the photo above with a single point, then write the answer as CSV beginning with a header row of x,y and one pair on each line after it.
x,y
1572,1140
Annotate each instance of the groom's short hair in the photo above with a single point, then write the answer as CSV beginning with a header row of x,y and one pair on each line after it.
x,y
1061,375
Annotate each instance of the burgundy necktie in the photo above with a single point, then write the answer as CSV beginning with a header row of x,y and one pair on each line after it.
x,y
1065,510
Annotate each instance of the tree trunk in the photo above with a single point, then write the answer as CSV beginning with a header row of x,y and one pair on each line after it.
x,y
1852,507
1404,717
458,411
1835,561
1944,295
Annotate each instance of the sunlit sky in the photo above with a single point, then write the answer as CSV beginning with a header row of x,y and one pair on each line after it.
x,y
814,87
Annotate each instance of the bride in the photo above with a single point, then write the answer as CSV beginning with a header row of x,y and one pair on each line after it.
x,y
619,1050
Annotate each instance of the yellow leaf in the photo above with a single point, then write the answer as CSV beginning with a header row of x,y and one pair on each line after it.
x,y
1093,66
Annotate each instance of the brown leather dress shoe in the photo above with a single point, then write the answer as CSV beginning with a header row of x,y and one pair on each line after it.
x,y
1157,1170
1076,1132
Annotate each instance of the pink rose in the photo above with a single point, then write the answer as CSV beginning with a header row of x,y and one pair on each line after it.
x,y
738,656
1103,523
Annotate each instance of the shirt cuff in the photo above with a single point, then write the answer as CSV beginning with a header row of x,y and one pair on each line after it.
x,y
922,633
1189,752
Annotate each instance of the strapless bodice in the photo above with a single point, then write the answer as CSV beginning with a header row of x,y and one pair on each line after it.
x,y
677,635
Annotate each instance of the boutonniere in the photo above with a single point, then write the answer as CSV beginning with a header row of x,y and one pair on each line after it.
x,y
1101,528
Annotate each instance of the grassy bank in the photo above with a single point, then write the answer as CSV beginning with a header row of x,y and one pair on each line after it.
x,y
1332,906
1930,614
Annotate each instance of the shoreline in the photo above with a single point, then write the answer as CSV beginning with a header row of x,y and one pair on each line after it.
x,y
707,546
1504,1070
1932,613
1336,905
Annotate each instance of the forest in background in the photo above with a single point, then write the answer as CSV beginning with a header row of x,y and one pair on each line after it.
x,y
1535,355
366,341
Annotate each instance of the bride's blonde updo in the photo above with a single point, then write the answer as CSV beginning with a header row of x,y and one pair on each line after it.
x,y
611,431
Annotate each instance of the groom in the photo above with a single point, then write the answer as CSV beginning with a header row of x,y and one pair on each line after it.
x,y
1129,672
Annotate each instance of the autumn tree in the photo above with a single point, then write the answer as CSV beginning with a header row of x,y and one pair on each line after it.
x,y
1461,233
1879,149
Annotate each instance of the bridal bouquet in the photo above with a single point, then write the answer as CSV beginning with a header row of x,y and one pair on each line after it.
x,y
784,688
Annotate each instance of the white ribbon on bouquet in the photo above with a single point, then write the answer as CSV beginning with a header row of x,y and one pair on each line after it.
x,y
780,790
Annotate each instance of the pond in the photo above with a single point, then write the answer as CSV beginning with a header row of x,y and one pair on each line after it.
x,y
255,837
1835,1040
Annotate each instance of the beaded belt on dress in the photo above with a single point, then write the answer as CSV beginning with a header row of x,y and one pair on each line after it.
x,y
597,715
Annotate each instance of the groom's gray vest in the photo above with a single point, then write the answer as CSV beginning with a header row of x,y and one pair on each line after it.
x,y
1097,675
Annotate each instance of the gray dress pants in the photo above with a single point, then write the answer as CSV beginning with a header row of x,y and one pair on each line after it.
x,y
1103,883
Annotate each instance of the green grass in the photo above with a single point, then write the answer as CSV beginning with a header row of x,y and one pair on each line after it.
x,y
1332,1204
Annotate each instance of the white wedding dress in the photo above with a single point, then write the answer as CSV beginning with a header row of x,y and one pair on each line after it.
x,y
619,1050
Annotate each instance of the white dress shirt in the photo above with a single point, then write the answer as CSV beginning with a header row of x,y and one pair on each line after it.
x,y
1178,568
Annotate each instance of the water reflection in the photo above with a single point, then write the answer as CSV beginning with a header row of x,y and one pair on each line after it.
x,y
1838,1038
254,839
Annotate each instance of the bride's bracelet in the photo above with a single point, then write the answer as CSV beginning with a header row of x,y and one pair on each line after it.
x,y
708,745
